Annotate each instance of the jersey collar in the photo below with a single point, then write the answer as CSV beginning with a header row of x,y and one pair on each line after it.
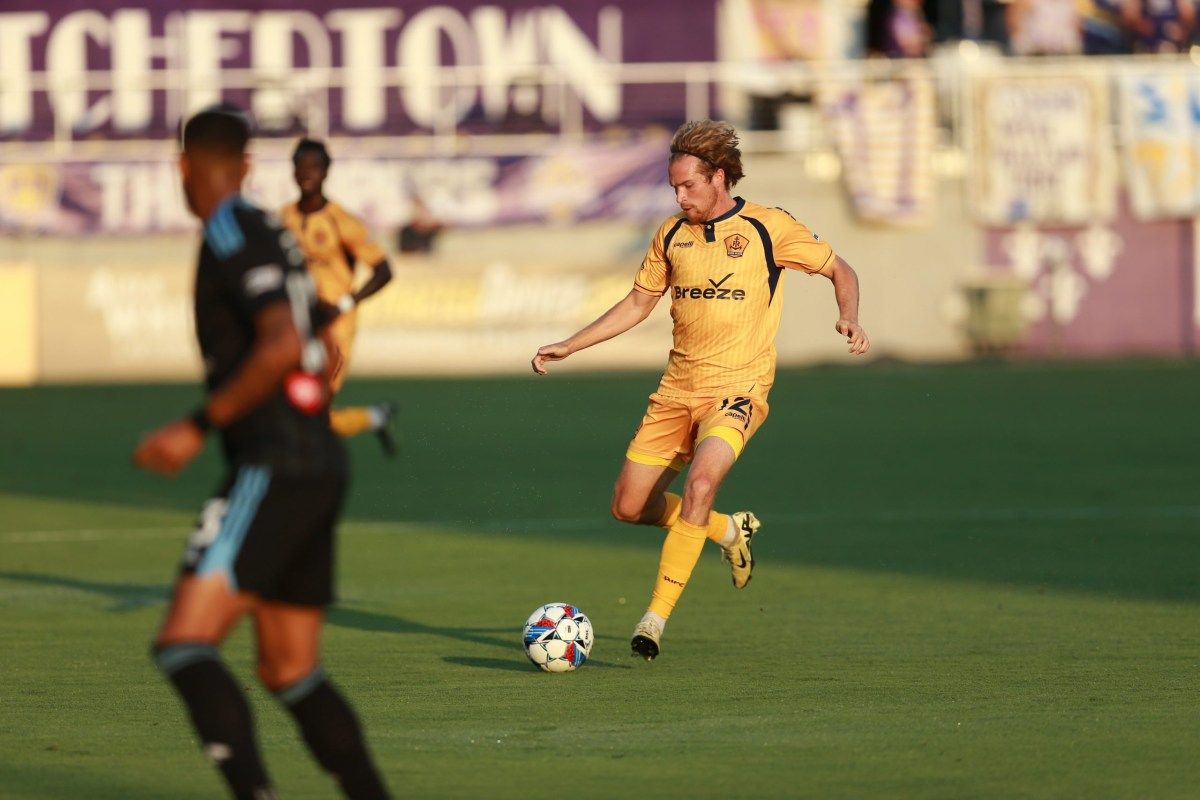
x,y
710,233
221,230
224,207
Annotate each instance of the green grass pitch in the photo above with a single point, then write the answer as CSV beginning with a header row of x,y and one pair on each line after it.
x,y
973,581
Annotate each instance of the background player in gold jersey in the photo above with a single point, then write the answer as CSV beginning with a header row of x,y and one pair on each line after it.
x,y
334,241
722,260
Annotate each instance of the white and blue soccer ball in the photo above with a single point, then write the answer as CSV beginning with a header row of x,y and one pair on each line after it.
x,y
558,637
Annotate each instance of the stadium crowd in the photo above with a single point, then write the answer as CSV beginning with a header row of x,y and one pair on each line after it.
x,y
909,28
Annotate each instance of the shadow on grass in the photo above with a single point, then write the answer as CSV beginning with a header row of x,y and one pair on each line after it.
x,y
360,620
129,597
33,770
519,665
505,664
123,596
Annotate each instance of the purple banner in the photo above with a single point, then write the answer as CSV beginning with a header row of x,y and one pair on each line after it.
x,y
565,183
131,70
1120,288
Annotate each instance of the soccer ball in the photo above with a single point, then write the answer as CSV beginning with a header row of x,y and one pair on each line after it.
x,y
557,637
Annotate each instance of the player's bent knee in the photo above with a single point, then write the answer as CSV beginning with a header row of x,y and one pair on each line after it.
x,y
624,510
700,489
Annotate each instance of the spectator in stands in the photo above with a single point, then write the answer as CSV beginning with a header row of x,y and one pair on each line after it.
x,y
1105,32
1161,26
418,235
898,29
1044,28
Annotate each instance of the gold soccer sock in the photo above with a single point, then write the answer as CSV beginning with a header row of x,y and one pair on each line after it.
x,y
721,528
680,552
671,512
350,421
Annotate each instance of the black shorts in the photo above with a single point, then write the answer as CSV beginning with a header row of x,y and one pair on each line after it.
x,y
271,534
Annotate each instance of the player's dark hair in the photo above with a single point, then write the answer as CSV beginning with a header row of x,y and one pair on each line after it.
x,y
222,129
715,143
312,146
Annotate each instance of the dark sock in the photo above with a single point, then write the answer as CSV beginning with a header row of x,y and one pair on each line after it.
x,y
219,714
333,735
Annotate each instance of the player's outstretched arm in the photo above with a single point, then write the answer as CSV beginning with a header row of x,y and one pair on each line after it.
x,y
845,290
631,310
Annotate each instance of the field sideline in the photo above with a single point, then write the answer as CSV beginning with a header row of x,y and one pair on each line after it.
x,y
974,581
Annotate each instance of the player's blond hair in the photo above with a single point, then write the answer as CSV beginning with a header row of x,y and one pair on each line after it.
x,y
715,143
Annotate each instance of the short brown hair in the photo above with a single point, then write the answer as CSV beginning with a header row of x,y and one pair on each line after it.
x,y
715,143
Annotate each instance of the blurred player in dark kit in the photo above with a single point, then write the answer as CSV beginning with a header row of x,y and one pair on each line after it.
x,y
265,544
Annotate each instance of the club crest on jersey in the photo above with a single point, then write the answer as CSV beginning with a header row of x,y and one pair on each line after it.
x,y
735,246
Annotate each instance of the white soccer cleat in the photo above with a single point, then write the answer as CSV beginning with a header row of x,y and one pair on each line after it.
x,y
738,554
646,637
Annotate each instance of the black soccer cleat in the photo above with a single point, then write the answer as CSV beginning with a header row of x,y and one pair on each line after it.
x,y
645,647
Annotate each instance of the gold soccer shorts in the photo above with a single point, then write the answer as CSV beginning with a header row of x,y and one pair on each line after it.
x,y
674,426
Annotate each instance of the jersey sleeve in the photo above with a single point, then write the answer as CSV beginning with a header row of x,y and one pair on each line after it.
x,y
655,275
799,248
257,274
357,239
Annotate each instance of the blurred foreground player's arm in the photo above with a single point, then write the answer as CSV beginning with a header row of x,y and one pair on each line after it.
x,y
277,352
260,278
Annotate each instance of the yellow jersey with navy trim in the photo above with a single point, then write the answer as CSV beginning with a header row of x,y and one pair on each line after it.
x,y
725,281
333,239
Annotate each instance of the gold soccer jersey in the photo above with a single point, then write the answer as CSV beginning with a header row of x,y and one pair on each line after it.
x,y
333,240
725,280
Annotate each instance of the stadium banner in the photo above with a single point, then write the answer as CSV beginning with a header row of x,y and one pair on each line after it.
x,y
111,322
1160,137
1041,150
885,133
132,68
565,183
1117,288
116,322
493,319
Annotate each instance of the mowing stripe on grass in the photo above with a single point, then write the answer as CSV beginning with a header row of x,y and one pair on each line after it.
x,y
598,522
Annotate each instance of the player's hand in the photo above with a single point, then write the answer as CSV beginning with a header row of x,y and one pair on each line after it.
x,y
855,335
169,449
550,352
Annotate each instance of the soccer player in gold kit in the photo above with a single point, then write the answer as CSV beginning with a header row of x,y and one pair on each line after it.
x,y
722,261
334,240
